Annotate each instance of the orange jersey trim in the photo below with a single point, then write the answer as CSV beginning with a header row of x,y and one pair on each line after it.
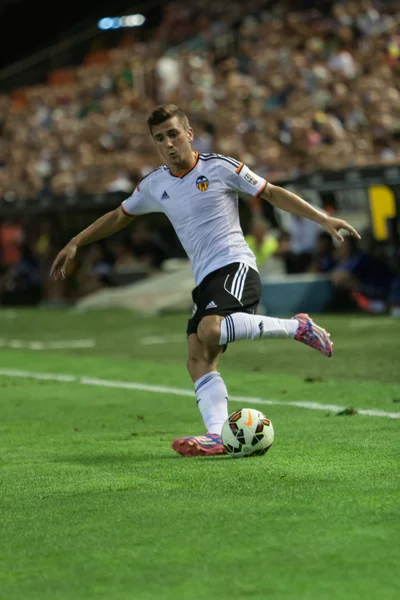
x,y
261,191
126,212
240,167
196,160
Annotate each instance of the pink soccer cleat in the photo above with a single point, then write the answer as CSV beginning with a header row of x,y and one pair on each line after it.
x,y
200,445
312,335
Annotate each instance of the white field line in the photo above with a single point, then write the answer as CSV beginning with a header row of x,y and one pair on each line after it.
x,y
158,389
371,323
8,314
35,345
158,339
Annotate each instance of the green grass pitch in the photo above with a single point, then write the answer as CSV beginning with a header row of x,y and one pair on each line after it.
x,y
95,505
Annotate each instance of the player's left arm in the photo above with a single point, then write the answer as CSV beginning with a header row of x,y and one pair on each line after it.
x,y
281,198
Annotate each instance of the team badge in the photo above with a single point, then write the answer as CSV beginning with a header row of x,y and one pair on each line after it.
x,y
202,183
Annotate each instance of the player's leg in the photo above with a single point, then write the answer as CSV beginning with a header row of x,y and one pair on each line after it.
x,y
243,326
238,301
201,362
212,400
214,330
209,333
210,389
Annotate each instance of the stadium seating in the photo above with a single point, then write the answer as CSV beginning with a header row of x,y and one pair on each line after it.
x,y
290,93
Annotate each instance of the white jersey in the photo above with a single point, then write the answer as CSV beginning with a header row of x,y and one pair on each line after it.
x,y
202,205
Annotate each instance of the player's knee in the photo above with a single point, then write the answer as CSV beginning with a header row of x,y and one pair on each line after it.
x,y
209,330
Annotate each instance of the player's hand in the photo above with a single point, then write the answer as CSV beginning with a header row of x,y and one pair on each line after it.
x,y
333,226
62,261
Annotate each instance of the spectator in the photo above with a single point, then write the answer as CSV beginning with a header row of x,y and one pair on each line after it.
x,y
358,273
92,274
323,258
261,242
11,237
147,248
303,235
120,182
20,285
123,257
390,304
168,70
393,301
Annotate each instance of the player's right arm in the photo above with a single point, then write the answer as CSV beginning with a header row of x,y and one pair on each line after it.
x,y
140,202
107,225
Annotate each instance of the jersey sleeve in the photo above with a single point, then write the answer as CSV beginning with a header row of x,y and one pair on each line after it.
x,y
141,201
239,177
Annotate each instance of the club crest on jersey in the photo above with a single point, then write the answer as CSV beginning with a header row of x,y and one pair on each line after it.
x,y
202,183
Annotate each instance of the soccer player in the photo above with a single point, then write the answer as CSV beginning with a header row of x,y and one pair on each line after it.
x,y
199,195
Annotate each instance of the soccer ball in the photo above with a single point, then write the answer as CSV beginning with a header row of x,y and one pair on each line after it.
x,y
247,432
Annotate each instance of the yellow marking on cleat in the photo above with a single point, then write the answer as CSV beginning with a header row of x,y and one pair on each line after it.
x,y
190,443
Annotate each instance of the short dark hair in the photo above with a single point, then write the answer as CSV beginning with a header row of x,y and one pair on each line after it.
x,y
164,112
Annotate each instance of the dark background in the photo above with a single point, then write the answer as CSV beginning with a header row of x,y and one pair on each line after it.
x,y
28,26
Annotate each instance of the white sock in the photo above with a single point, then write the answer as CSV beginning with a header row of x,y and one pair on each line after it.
x,y
212,400
242,326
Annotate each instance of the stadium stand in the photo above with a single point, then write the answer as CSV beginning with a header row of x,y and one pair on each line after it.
x,y
290,93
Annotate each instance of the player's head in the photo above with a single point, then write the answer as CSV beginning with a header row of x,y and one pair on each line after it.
x,y
170,129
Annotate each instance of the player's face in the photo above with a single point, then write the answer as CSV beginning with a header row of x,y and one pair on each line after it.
x,y
173,142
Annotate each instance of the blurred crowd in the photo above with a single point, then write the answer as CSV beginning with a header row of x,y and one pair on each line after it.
x,y
361,278
28,248
289,88
288,91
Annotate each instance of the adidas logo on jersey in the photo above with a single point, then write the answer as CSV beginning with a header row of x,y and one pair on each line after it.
x,y
261,328
211,305
164,196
